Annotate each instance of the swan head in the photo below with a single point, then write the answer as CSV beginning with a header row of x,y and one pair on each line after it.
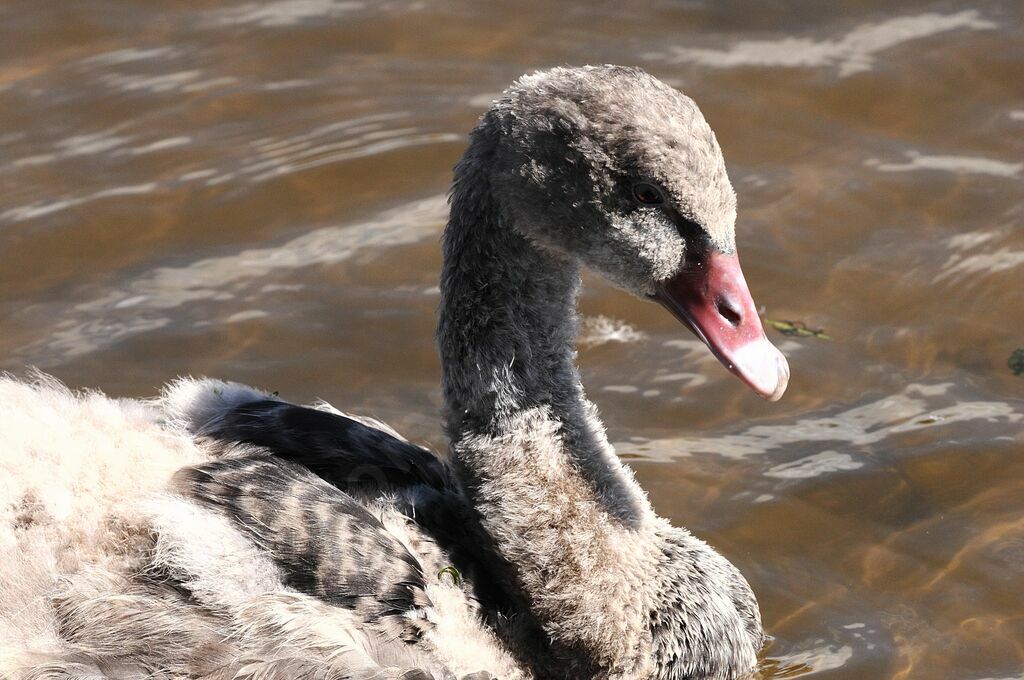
x,y
610,167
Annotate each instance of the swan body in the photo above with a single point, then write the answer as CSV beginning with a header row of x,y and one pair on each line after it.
x,y
220,532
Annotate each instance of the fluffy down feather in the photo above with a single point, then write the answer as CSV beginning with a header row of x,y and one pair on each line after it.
x,y
130,548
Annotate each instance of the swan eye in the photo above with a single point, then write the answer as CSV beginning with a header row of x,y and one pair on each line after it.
x,y
647,194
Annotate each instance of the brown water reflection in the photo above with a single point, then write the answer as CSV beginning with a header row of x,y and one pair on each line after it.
x,y
255,190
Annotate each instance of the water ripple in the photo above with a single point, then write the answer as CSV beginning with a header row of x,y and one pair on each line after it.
x,y
965,263
282,12
852,53
815,465
971,165
132,54
915,408
48,207
600,330
253,162
164,82
145,303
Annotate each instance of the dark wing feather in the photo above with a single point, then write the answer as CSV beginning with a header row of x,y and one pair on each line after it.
x,y
357,458
343,451
327,544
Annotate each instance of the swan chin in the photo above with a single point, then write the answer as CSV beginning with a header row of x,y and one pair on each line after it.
x,y
710,296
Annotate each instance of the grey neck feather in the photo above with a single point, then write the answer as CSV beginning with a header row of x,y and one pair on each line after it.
x,y
507,335
508,325
521,429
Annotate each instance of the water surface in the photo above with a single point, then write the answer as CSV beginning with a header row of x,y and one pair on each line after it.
x,y
254,190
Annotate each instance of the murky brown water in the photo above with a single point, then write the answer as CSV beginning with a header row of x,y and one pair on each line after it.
x,y
255,191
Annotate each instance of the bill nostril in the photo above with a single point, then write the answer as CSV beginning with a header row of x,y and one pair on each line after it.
x,y
729,311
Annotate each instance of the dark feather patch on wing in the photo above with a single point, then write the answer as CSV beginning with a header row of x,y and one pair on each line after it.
x,y
326,543
357,458
343,451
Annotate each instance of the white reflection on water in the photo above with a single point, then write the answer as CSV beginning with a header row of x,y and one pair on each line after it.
x,y
43,208
132,54
1001,260
283,12
247,315
158,145
143,304
600,330
916,407
971,165
87,144
165,82
620,389
963,264
852,53
814,466
824,657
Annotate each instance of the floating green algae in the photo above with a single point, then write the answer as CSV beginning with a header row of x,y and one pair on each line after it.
x,y
1016,361
797,329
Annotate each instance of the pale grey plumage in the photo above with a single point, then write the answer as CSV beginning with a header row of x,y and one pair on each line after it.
x,y
272,553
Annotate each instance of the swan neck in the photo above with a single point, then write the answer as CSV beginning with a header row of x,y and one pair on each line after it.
x,y
528,447
508,318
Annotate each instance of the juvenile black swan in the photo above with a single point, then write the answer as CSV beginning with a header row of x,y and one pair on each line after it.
x,y
218,532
